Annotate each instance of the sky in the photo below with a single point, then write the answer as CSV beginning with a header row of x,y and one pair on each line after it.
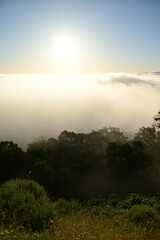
x,y
110,36
77,66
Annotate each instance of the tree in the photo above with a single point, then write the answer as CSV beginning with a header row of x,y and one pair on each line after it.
x,y
147,135
12,161
128,166
151,142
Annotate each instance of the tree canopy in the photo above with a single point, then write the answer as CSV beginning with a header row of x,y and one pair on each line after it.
x,y
85,165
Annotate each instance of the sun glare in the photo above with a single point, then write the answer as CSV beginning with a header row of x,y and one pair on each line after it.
x,y
65,47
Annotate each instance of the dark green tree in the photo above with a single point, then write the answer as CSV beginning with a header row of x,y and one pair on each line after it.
x,y
12,161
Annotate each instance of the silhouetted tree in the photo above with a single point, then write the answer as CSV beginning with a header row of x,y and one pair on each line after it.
x,y
12,161
86,165
128,165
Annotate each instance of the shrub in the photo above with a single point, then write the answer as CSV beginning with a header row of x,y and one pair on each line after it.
x,y
113,200
95,202
99,206
65,207
157,207
135,199
25,203
142,214
124,204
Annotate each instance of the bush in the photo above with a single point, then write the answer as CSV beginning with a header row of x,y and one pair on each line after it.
x,y
135,199
25,203
142,214
113,200
98,202
124,204
99,206
65,207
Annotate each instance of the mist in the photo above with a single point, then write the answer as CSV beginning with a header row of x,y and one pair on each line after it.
x,y
33,105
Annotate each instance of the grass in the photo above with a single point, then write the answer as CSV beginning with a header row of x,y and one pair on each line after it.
x,y
26,213
18,233
81,226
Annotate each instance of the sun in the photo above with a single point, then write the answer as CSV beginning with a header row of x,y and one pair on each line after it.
x,y
65,47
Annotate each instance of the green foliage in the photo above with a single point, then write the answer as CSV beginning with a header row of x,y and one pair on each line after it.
x,y
95,219
101,202
18,233
135,199
87,165
113,200
142,214
99,206
147,135
12,161
65,207
25,203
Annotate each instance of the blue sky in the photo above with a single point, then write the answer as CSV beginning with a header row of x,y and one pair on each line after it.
x,y
112,35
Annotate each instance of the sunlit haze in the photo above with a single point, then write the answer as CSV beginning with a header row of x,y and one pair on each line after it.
x,y
77,65
34,105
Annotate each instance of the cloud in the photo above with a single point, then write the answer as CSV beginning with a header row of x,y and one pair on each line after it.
x,y
32,105
129,79
156,73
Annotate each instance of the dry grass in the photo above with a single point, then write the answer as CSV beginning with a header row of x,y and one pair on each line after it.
x,y
18,233
82,227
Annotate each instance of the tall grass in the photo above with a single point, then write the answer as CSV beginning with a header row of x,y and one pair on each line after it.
x,y
81,226
27,214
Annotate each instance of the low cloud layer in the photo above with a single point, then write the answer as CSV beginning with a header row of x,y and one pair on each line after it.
x,y
33,105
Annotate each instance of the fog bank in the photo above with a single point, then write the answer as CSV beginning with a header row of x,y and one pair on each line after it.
x,y
33,105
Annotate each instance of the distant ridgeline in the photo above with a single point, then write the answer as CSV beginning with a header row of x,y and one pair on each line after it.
x,y
83,166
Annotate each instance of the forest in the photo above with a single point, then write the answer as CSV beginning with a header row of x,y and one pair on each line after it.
x,y
82,186
87,165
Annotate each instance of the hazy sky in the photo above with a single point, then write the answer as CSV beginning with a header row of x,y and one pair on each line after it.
x,y
34,105
110,35
112,49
